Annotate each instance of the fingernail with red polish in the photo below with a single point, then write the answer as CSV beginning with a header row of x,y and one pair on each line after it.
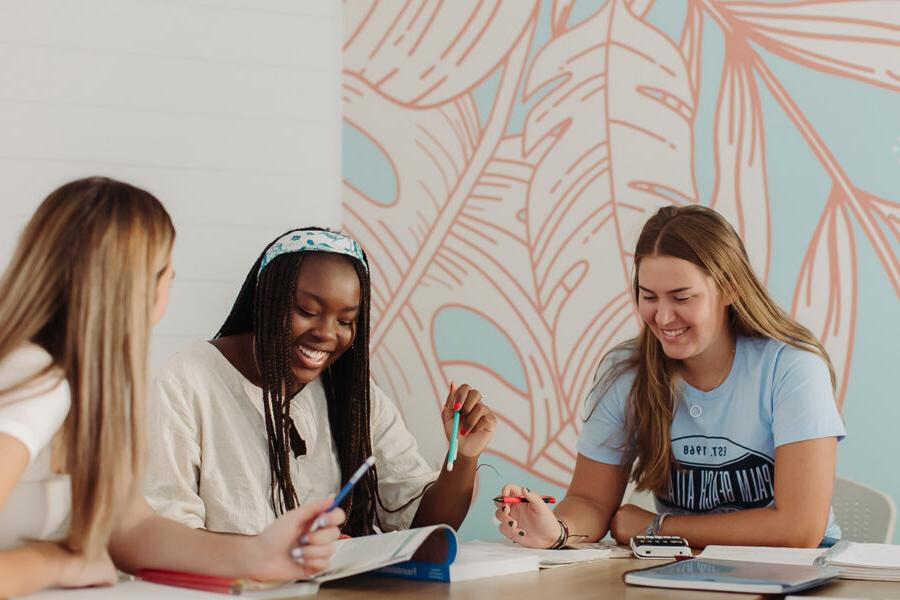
x,y
463,431
457,406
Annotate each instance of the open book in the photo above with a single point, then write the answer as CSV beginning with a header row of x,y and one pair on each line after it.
x,y
434,546
875,562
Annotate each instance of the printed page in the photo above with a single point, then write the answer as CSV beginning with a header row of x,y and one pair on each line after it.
x,y
764,554
878,556
485,559
358,555
547,558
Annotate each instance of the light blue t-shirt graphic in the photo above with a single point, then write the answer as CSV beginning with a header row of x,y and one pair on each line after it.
x,y
724,440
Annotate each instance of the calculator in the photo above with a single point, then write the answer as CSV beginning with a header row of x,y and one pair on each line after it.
x,y
660,546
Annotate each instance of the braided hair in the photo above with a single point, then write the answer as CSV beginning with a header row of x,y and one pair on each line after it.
x,y
263,307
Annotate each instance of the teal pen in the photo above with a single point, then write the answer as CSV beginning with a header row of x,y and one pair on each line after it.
x,y
454,434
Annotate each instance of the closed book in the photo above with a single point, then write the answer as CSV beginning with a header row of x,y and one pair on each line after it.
x,y
732,576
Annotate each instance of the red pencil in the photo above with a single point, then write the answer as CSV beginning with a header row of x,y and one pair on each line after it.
x,y
519,499
196,581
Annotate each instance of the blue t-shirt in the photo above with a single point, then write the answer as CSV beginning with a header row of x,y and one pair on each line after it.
x,y
724,440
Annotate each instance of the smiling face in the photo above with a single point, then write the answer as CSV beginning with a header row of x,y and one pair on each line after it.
x,y
682,306
324,317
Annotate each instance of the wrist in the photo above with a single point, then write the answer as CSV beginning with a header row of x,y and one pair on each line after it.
x,y
563,537
60,564
248,560
656,524
463,461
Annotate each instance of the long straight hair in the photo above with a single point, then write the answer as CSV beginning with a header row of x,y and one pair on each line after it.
x,y
263,307
82,284
703,237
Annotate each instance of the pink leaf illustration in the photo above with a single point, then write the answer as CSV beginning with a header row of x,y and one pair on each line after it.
x,y
405,238
826,292
563,8
620,116
692,44
858,39
443,139
740,191
880,214
424,53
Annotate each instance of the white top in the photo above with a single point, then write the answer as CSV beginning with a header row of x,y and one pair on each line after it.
x,y
42,500
208,460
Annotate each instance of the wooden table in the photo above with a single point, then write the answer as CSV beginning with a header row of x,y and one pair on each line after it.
x,y
601,579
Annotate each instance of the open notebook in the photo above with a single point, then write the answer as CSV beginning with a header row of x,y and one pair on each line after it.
x,y
853,560
547,559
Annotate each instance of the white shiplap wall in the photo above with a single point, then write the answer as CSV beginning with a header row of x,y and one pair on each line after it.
x,y
227,110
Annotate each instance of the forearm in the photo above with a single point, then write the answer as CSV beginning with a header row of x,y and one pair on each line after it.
x,y
586,520
159,543
751,527
448,500
30,568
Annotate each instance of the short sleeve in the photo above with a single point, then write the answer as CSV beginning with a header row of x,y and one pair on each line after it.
x,y
803,405
171,485
402,471
603,432
34,411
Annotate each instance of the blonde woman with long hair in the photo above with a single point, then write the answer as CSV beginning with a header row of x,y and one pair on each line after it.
x,y
89,278
723,407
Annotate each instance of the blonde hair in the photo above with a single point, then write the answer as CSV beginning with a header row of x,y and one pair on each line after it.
x,y
703,237
82,284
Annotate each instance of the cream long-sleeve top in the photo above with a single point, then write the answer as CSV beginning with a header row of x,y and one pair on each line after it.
x,y
208,463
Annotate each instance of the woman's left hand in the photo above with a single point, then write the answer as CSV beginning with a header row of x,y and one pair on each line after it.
x,y
476,421
629,521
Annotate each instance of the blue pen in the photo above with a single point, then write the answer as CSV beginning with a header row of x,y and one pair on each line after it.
x,y
349,485
320,520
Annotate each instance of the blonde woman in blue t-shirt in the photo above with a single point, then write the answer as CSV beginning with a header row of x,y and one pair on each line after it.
x,y
723,407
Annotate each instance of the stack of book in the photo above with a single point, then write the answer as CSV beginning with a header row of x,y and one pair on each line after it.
x,y
873,562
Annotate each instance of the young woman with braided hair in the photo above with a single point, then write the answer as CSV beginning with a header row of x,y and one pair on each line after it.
x,y
279,407
723,406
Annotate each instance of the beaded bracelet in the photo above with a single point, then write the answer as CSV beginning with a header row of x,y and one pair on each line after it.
x,y
655,526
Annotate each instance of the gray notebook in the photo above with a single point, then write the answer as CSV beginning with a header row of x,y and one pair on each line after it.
x,y
732,576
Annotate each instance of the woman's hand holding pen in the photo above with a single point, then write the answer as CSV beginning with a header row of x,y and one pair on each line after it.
x,y
275,555
531,523
476,421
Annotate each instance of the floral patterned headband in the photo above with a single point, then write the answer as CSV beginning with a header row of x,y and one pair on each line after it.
x,y
313,240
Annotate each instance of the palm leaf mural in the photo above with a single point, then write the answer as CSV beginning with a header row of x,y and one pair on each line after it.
x,y
526,223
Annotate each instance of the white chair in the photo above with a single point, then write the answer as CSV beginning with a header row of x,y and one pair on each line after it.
x,y
864,513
